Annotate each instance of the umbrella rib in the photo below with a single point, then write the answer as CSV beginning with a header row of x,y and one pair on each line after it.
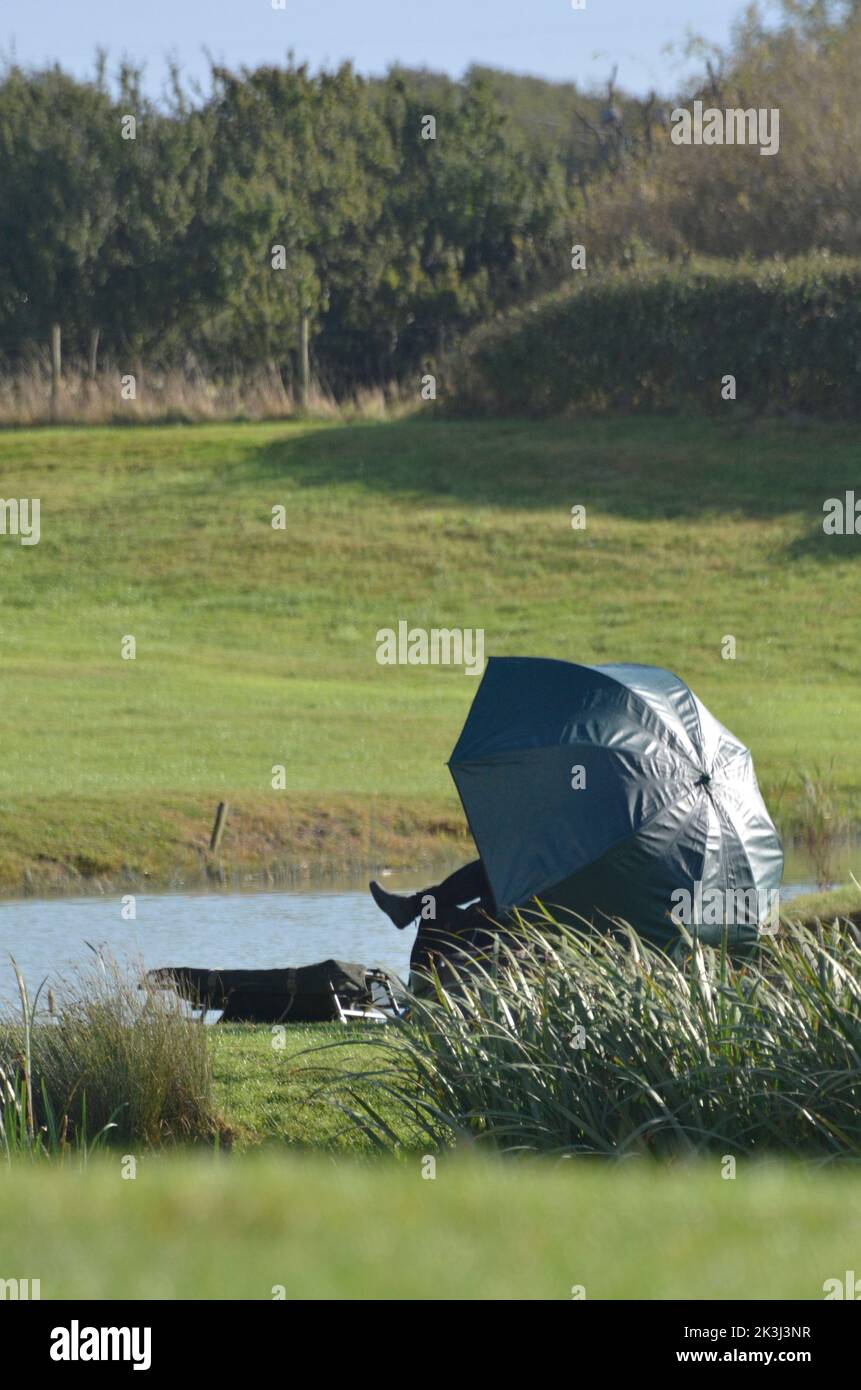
x,y
728,762
574,743
722,811
630,835
648,708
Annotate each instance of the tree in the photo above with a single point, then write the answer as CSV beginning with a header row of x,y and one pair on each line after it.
x,y
58,198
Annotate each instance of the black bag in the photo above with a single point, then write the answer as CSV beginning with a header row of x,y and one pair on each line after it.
x,y
305,994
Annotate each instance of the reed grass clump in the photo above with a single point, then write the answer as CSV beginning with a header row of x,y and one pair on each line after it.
x,y
115,1061
821,821
567,1045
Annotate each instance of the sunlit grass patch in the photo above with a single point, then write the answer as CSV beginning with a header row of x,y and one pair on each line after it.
x,y
303,1228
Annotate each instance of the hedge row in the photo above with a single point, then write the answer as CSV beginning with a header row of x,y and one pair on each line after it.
x,y
664,337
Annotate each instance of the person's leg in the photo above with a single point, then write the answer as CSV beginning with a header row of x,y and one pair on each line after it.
x,y
461,939
463,886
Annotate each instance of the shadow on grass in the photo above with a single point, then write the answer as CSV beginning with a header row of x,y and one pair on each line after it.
x,y
643,469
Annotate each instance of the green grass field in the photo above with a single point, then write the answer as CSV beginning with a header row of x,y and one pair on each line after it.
x,y
256,646
207,1229
269,1089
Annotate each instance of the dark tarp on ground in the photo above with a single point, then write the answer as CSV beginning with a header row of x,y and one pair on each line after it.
x,y
670,799
301,995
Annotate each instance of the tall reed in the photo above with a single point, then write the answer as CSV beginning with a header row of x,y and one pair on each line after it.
x,y
607,1046
118,1061
822,823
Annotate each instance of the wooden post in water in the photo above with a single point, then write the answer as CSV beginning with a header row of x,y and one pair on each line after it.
x,y
218,827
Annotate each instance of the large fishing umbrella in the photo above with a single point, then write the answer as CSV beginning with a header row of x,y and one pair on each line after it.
x,y
613,790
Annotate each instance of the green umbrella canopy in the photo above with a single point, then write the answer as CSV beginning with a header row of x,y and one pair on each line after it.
x,y
613,789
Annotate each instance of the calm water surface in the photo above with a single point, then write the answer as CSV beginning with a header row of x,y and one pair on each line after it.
x,y
217,930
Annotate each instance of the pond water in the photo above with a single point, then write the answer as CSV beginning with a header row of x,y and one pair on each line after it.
x,y
214,929
220,930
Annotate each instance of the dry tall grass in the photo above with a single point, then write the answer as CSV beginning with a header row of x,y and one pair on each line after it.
x,y
180,397
114,1058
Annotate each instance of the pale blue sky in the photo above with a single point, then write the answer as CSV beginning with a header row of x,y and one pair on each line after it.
x,y
545,37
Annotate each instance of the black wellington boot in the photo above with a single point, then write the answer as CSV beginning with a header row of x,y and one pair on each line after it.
x,y
402,910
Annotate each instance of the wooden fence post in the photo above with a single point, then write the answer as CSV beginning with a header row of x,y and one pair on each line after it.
x,y
218,827
95,335
304,360
56,364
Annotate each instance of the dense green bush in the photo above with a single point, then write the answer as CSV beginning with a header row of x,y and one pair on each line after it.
x,y
665,336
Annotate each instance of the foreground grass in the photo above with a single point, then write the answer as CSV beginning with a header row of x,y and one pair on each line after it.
x,y
256,646
215,1229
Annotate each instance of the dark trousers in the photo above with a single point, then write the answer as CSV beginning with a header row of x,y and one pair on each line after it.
x,y
455,933
463,886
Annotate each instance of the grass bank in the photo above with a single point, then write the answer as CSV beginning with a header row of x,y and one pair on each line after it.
x,y
255,646
843,902
210,1229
